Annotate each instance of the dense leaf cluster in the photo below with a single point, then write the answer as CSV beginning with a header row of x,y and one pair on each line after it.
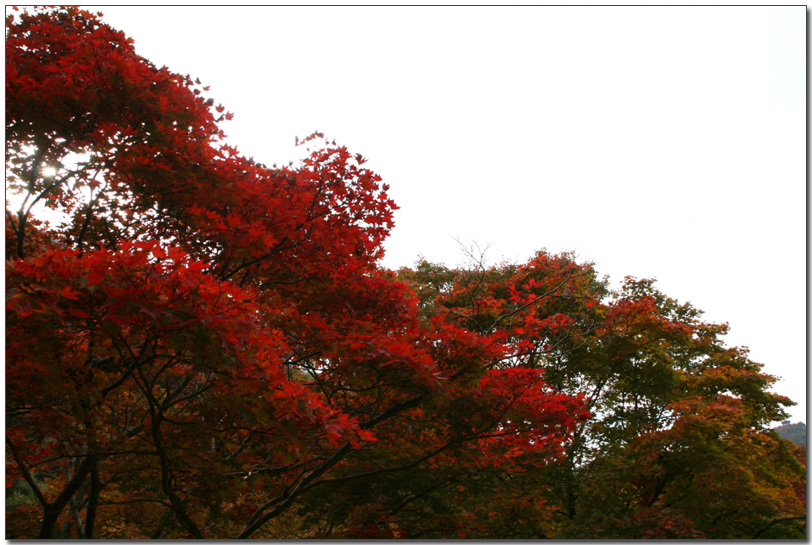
x,y
204,346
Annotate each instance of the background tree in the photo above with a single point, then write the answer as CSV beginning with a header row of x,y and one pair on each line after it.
x,y
792,432
678,444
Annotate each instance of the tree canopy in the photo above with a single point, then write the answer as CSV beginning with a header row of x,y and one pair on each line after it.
x,y
202,346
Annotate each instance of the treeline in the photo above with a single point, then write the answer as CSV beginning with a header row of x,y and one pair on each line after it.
x,y
792,432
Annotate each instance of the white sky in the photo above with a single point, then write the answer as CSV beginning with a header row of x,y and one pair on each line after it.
x,y
665,142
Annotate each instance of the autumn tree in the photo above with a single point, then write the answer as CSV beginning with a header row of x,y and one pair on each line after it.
x,y
678,444
199,345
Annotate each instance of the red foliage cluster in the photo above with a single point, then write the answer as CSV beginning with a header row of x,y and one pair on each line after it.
x,y
201,322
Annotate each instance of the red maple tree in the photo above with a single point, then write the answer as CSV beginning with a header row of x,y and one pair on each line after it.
x,y
203,342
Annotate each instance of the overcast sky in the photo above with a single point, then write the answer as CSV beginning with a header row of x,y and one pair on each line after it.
x,y
664,142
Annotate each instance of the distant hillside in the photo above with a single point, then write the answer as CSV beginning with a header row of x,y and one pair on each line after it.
x,y
792,432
